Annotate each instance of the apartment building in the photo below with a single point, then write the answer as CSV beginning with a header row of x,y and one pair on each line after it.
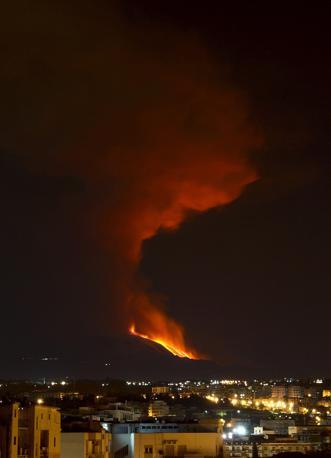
x,y
29,432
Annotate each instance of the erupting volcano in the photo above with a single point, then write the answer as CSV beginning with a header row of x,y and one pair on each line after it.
x,y
208,181
167,342
158,135
193,156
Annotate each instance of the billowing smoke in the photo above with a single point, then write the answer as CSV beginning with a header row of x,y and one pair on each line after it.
x,y
142,116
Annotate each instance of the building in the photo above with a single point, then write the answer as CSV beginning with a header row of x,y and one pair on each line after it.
x,y
160,389
311,392
118,412
324,403
39,432
258,431
9,430
279,392
29,432
277,426
152,440
85,444
158,409
312,433
295,392
244,449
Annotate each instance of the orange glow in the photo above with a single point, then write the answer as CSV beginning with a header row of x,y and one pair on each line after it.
x,y
148,132
166,343
155,325
175,141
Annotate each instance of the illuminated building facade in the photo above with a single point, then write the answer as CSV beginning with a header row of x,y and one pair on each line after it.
x,y
160,389
151,440
279,392
9,430
118,412
295,392
39,432
29,432
85,444
158,409
244,449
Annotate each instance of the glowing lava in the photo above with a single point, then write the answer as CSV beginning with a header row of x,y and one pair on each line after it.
x,y
166,343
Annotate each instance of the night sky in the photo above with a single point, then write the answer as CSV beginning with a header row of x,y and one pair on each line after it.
x,y
92,103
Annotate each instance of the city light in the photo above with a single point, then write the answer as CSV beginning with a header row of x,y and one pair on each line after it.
x,y
212,398
240,430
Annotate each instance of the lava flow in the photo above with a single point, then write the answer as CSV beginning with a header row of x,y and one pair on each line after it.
x,y
167,344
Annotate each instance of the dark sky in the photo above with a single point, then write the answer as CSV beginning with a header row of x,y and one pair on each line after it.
x,y
249,281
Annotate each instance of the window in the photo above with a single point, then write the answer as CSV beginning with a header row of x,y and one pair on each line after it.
x,y
54,441
148,449
14,440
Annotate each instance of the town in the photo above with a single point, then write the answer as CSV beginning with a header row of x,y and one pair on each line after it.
x,y
139,418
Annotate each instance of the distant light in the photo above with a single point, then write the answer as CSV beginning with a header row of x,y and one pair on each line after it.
x,y
105,426
212,398
240,430
40,401
63,382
